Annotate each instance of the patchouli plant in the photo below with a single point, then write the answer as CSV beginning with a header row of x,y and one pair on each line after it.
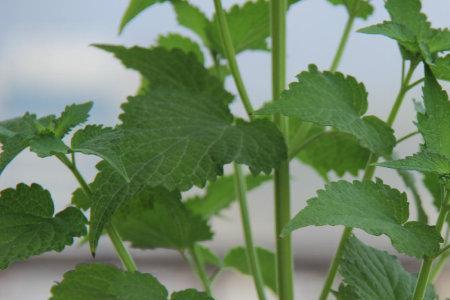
x,y
177,132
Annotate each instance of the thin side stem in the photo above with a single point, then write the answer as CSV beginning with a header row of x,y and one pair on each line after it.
x,y
368,174
407,136
284,257
231,56
199,267
440,264
342,44
252,257
122,252
425,269
298,148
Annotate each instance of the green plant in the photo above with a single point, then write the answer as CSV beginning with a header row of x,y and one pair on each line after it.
x,y
178,132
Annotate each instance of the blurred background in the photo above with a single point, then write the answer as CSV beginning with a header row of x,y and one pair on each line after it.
x,y
46,63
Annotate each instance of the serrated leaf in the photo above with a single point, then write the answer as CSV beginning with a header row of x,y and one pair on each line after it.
x,y
106,282
249,26
45,145
423,161
441,67
440,41
357,8
237,258
331,99
158,219
180,134
408,13
373,207
335,151
220,194
135,7
190,294
373,274
72,116
177,41
102,142
208,257
433,183
192,18
28,227
434,125
80,199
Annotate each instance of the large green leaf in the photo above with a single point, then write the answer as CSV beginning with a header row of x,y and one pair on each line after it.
x,y
180,134
373,207
158,219
28,227
102,142
331,99
237,258
220,194
106,282
372,274
356,8
135,7
177,41
423,161
249,26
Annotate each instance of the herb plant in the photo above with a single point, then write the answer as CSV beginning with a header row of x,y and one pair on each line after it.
x,y
177,132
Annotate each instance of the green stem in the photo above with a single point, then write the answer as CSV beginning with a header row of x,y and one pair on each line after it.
x,y
298,148
198,265
227,43
241,189
440,264
368,174
281,177
124,255
404,138
425,269
298,139
342,43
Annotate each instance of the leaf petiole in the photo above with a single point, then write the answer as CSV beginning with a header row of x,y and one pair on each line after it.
x,y
199,266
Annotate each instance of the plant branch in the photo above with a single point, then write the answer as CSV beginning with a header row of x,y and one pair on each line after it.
x,y
343,43
407,136
122,252
296,149
199,267
440,264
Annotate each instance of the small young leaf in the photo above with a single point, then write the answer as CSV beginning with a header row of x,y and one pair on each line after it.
x,y
192,18
208,257
28,227
372,274
441,67
180,134
335,151
237,259
72,116
102,142
190,294
249,26
440,41
357,8
158,219
101,281
373,207
423,161
433,183
331,99
408,13
220,194
45,145
135,8
177,41
80,199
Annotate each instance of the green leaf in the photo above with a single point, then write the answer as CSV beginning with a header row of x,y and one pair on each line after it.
x,y
102,142
441,68
249,26
345,293
190,294
408,13
158,219
177,41
106,282
45,145
357,8
180,134
373,207
331,99
440,40
237,259
28,227
80,199
208,257
192,18
373,274
395,31
72,116
335,151
15,136
135,8
434,125
220,194
423,161
433,183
